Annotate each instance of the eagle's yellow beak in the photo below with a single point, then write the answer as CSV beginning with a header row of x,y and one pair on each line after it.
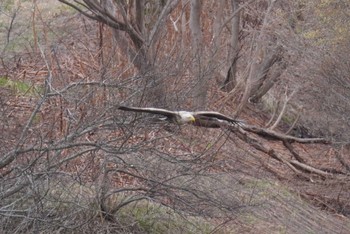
x,y
193,119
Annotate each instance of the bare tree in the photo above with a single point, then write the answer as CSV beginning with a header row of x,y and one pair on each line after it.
x,y
265,53
231,79
217,24
195,25
11,14
128,20
201,86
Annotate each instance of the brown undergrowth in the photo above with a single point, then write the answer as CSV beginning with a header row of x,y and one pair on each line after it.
x,y
120,171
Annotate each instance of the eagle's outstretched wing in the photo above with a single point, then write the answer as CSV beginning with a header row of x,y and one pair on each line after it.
x,y
212,114
158,111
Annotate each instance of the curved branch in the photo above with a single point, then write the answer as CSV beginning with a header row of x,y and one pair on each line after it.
x,y
266,133
101,15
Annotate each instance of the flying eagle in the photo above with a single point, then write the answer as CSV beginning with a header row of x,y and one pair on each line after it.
x,y
207,119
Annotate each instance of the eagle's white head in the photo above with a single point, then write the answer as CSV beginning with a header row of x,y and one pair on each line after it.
x,y
185,117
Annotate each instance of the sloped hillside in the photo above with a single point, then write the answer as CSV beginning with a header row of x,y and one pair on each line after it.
x,y
72,162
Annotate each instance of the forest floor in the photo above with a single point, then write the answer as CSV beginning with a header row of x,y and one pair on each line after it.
x,y
284,201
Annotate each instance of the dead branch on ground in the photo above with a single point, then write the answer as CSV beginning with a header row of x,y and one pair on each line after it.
x,y
298,166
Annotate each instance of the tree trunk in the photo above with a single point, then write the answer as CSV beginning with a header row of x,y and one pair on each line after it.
x,y
268,79
231,79
201,84
183,27
195,25
217,25
140,16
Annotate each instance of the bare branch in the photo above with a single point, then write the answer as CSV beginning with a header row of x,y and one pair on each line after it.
x,y
286,100
279,136
168,8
